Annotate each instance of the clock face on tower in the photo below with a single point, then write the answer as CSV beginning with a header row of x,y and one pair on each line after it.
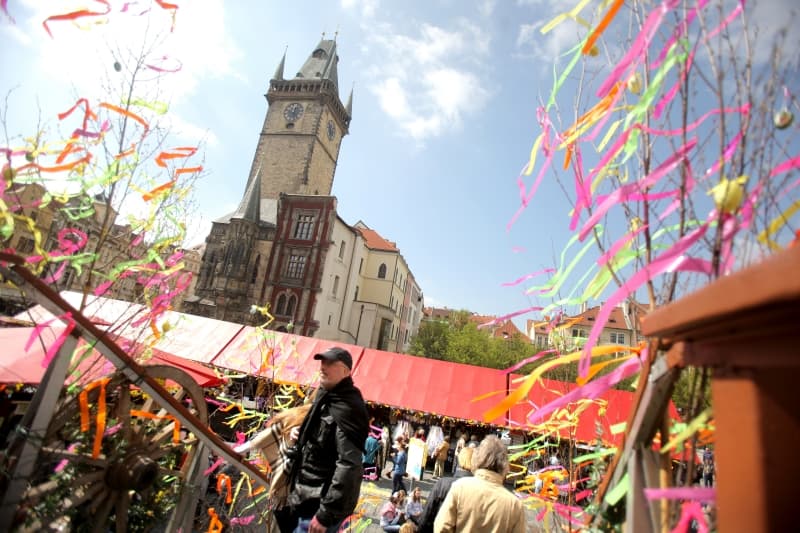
x,y
293,112
331,130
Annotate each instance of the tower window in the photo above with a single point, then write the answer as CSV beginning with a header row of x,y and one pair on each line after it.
x,y
355,297
341,250
360,264
255,270
382,271
335,285
304,227
319,53
296,266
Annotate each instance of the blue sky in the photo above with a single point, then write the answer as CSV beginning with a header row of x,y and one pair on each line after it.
x,y
444,117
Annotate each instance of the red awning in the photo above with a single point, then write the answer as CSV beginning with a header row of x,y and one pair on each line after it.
x,y
428,385
18,365
281,357
611,408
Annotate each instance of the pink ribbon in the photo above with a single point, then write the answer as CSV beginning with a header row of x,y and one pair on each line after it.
x,y
672,260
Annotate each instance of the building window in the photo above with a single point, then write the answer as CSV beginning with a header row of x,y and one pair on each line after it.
x,y
255,269
406,339
355,297
578,333
281,306
329,319
341,250
297,264
304,227
25,245
360,264
382,271
618,338
335,285
290,305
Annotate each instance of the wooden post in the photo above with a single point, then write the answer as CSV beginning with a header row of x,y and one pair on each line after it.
x,y
744,327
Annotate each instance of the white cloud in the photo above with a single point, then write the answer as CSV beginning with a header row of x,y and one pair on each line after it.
x,y
429,81
486,7
190,132
83,53
392,98
367,8
551,45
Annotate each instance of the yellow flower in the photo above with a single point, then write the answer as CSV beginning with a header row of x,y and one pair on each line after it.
x,y
728,194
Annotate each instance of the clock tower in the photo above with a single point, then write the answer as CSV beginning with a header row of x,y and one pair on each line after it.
x,y
299,143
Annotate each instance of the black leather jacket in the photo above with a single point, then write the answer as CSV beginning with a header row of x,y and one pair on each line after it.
x,y
330,445
435,499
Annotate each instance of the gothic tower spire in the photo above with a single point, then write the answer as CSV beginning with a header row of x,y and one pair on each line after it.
x,y
250,207
279,71
322,62
349,106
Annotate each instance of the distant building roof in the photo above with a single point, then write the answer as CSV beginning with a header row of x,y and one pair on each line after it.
x,y
375,242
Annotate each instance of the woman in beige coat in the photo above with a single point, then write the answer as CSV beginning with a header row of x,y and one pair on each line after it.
x,y
481,503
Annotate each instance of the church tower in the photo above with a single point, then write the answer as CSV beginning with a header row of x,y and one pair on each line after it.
x,y
272,248
299,143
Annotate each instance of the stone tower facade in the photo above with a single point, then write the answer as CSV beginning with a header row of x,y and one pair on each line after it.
x,y
299,142
272,249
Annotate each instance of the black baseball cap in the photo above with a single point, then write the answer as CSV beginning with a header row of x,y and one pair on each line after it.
x,y
336,354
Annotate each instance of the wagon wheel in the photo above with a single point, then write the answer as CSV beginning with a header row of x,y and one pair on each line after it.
x,y
126,476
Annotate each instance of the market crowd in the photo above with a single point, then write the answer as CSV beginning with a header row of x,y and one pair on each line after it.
x,y
320,453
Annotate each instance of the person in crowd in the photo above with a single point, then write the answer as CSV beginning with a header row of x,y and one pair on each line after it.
x,y
408,527
481,503
392,514
386,442
460,444
473,441
708,472
400,462
326,462
440,456
414,507
442,487
272,444
370,458
419,435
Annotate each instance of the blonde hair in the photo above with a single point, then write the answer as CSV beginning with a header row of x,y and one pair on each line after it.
x,y
408,527
465,458
290,418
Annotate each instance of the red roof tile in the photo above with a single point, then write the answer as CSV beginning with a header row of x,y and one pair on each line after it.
x,y
375,241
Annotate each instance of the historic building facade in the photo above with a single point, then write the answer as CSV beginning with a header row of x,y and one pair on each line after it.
x,y
285,245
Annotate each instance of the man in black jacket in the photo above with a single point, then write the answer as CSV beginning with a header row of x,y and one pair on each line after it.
x,y
326,472
441,488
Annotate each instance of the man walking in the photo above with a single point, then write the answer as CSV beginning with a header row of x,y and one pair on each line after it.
x,y
326,472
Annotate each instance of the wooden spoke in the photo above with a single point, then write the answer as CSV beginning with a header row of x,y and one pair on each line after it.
x,y
123,503
137,456
101,517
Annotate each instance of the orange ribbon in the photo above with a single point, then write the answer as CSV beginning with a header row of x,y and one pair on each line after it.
x,y
215,524
76,15
224,479
601,27
83,401
176,430
128,114
155,192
